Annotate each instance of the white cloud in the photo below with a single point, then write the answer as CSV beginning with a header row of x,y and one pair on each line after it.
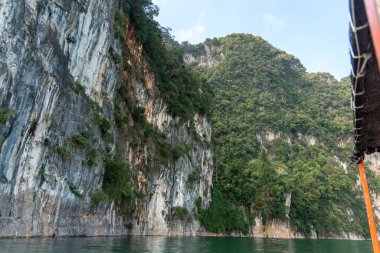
x,y
274,21
193,32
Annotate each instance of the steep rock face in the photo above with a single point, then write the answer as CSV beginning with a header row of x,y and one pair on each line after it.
x,y
167,187
206,56
39,66
56,75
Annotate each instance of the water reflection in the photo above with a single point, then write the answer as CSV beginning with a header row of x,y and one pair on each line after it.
x,y
161,244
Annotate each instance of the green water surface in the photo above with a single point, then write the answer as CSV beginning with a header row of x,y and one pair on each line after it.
x,y
160,244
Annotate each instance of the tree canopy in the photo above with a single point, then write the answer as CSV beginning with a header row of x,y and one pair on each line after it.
x,y
280,131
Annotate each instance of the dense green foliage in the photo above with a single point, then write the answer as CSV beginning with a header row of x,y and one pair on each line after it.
x,y
222,216
182,89
100,197
93,157
193,177
5,114
78,88
117,185
3,118
103,124
279,131
179,213
81,140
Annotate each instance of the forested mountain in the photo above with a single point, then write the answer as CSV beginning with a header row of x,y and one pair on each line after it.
x,y
280,135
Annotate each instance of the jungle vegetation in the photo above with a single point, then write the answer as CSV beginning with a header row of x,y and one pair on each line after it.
x,y
279,131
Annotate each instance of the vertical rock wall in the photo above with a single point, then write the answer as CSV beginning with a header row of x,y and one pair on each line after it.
x,y
56,75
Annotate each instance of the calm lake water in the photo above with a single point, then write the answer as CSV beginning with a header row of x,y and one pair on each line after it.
x,y
158,244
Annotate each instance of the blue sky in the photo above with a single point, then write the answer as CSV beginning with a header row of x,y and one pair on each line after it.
x,y
315,31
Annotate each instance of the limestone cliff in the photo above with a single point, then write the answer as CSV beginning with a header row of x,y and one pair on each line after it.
x,y
59,75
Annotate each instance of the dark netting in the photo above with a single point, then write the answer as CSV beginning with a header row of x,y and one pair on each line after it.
x,y
365,79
